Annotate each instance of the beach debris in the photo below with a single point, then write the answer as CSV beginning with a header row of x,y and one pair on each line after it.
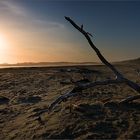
x,y
119,78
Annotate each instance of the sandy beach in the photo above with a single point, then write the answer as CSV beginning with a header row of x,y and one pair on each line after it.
x,y
94,114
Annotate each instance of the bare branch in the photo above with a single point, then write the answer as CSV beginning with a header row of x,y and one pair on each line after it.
x,y
89,34
79,88
101,57
62,98
133,85
82,86
130,99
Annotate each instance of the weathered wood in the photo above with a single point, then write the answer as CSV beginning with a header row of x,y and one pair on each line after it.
x,y
62,98
119,76
101,57
78,89
130,99
82,86
133,85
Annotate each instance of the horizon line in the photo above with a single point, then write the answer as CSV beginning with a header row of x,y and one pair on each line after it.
x,y
29,62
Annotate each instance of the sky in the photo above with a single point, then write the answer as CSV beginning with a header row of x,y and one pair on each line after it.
x,y
36,31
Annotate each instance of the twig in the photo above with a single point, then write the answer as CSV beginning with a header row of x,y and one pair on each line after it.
x,y
62,98
129,99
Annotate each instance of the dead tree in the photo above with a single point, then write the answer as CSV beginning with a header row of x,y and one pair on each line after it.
x,y
119,78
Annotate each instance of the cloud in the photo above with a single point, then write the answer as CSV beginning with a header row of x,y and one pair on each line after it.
x,y
13,8
48,24
14,15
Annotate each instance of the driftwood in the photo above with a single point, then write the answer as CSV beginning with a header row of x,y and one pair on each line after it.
x,y
131,98
79,87
76,90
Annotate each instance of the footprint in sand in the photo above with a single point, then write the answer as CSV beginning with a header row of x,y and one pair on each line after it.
x,y
4,100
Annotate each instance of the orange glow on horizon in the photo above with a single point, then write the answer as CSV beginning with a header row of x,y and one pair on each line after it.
x,y
3,47
18,46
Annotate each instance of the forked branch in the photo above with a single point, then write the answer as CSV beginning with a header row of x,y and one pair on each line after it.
x,y
78,88
101,57
119,76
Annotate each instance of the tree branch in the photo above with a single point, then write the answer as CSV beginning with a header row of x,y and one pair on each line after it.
x,y
129,99
101,57
79,88
119,76
133,85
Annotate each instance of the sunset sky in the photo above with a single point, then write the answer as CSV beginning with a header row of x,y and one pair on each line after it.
x,y
36,31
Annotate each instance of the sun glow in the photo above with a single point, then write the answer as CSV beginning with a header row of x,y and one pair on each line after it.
x,y
2,41
3,48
